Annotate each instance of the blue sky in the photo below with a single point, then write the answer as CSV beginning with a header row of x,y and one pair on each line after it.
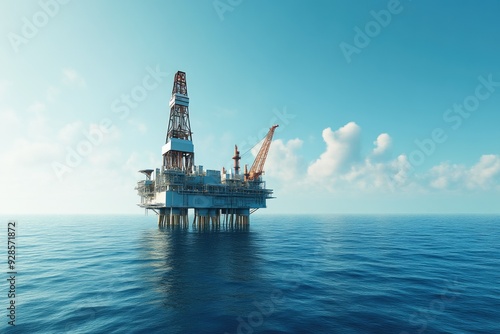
x,y
355,88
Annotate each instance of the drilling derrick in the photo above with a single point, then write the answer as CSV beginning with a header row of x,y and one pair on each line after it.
x,y
217,197
178,151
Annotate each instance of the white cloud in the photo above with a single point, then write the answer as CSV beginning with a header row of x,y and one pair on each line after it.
x,y
484,175
342,168
388,176
383,146
72,78
447,176
342,149
283,162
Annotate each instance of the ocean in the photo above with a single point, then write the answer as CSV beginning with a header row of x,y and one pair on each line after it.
x,y
282,274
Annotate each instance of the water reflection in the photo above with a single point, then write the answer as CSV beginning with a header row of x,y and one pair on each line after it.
x,y
198,271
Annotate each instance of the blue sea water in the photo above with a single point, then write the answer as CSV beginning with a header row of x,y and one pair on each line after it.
x,y
283,274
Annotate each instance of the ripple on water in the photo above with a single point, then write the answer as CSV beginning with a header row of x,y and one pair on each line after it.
x,y
286,274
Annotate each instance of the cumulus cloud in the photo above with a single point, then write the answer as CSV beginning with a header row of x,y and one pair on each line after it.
x,y
341,168
283,161
391,176
341,165
383,146
484,175
342,150
71,77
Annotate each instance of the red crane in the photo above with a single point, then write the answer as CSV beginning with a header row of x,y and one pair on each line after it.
x,y
258,165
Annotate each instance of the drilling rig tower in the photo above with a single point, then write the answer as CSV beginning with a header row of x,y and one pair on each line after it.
x,y
217,196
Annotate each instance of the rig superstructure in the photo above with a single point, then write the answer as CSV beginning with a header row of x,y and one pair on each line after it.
x,y
217,196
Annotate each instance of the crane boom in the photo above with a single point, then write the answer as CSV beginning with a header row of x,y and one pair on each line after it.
x,y
258,165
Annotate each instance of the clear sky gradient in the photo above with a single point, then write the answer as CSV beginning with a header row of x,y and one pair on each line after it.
x,y
383,106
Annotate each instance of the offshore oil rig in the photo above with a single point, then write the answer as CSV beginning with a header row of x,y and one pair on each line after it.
x,y
217,196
